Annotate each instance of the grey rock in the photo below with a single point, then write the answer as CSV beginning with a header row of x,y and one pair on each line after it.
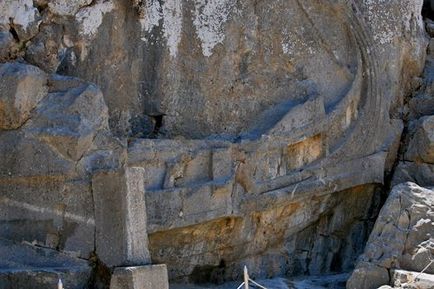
x,y
7,46
67,119
336,281
200,98
430,27
140,277
120,217
23,156
27,266
42,198
412,280
45,188
405,224
421,146
368,276
267,107
22,87
431,46
67,8
421,105
46,50
59,83
21,17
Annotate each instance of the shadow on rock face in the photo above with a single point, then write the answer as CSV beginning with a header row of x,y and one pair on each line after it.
x,y
428,9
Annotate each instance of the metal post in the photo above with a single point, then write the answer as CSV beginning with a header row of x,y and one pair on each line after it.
x,y
246,278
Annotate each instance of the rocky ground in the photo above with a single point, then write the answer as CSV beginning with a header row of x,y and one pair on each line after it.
x,y
334,281
24,264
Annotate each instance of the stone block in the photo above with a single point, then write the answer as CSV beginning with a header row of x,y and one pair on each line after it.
x,y
304,152
368,276
42,198
21,88
405,224
7,45
421,146
422,104
25,266
300,116
69,119
120,217
222,164
409,279
24,16
140,277
420,173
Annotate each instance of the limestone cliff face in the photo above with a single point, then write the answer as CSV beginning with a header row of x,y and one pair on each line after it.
x,y
255,132
405,221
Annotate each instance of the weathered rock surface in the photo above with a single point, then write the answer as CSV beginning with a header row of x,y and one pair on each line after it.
x,y
140,277
120,218
401,238
312,236
8,46
411,280
27,266
69,119
197,64
402,279
421,146
227,133
416,164
45,188
19,17
420,173
21,89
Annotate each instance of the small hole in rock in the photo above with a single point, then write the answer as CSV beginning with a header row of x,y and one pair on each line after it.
x,y
14,33
158,124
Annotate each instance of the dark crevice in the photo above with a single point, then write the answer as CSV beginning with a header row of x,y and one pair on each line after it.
x,y
101,274
403,142
428,9
41,6
158,125
389,272
13,31
209,273
92,3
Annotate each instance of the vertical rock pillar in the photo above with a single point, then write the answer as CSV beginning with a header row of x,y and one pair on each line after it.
x,y
121,233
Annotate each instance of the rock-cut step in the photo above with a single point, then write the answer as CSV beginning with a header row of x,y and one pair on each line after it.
x,y
24,266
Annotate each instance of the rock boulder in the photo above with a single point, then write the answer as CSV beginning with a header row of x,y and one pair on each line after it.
x,y
402,238
21,89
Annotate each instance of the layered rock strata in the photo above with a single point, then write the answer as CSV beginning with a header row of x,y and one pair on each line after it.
x,y
227,133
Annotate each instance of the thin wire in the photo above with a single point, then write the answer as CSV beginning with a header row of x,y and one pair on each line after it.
x,y
421,272
258,285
